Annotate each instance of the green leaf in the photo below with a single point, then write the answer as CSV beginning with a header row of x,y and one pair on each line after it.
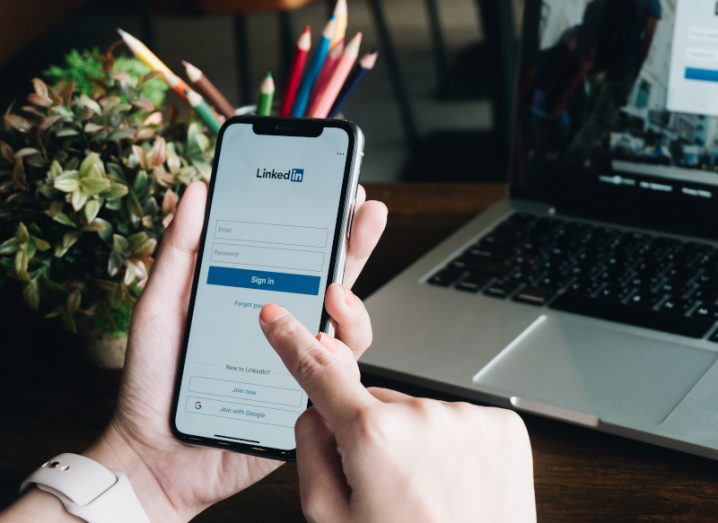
x,y
18,174
115,191
137,239
119,243
106,232
42,245
134,205
9,246
113,205
146,249
115,170
79,199
55,170
65,133
69,181
22,260
92,185
31,293
64,219
91,209
22,235
92,166
121,134
139,185
114,264
68,240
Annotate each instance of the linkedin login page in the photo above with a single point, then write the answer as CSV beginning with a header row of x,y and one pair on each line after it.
x,y
269,239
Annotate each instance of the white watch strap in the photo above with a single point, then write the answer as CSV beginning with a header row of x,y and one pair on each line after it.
x,y
88,490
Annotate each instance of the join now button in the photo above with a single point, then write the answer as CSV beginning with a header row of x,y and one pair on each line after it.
x,y
263,280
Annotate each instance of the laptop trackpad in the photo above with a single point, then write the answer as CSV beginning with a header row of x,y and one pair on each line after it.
x,y
573,364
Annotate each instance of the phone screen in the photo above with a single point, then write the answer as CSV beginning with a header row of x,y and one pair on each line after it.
x,y
271,236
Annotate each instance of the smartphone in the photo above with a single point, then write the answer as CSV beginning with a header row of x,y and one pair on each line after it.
x,y
279,210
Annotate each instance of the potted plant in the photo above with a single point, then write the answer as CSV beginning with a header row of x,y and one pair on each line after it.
x,y
91,169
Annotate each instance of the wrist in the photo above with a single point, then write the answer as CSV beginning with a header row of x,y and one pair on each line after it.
x,y
36,505
114,451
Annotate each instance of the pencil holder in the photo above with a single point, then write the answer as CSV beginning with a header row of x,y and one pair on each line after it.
x,y
251,110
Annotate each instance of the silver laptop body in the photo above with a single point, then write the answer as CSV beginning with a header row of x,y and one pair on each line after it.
x,y
615,376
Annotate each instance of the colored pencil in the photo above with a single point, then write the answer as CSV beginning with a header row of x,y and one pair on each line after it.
x,y
329,65
142,52
208,89
295,76
361,69
203,110
266,95
326,99
341,14
315,67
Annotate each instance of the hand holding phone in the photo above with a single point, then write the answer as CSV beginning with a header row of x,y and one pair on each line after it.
x,y
176,481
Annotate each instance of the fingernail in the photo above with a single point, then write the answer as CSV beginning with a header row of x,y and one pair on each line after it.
x,y
271,313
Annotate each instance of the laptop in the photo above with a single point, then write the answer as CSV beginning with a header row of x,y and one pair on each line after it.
x,y
590,294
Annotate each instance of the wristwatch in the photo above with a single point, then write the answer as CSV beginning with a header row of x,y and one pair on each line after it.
x,y
88,490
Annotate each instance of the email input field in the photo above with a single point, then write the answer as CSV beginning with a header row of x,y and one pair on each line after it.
x,y
246,391
271,233
253,255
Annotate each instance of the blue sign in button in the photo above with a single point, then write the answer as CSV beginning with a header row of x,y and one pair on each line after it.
x,y
263,280
706,75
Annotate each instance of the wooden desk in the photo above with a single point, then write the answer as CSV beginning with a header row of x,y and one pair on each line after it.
x,y
52,405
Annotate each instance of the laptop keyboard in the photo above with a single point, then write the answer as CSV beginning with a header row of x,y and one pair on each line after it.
x,y
629,277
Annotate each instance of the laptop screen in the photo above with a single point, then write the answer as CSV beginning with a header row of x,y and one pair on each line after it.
x,y
618,110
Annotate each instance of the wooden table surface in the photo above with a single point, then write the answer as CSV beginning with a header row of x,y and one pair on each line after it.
x,y
52,403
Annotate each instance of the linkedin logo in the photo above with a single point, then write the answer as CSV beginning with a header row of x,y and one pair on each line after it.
x,y
293,175
297,175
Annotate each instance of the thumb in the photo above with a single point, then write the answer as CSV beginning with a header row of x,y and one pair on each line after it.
x,y
323,370
171,274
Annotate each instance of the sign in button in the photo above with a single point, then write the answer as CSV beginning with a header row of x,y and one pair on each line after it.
x,y
263,280
705,75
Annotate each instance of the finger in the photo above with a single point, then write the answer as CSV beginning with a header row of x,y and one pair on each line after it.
x,y
360,197
325,371
171,274
369,224
350,317
322,485
388,395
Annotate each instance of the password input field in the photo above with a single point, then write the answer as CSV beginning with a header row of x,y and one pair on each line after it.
x,y
252,255
271,233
